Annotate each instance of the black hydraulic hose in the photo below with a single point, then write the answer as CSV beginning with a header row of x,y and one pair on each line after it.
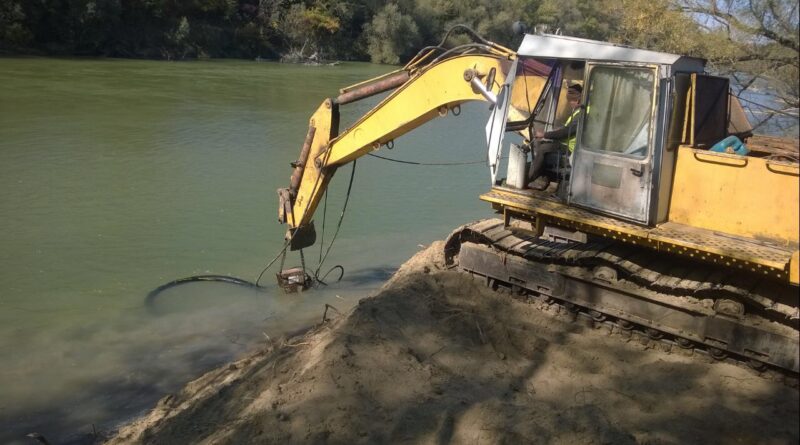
x,y
324,277
150,299
478,43
441,164
193,279
423,50
280,252
477,37
338,226
460,49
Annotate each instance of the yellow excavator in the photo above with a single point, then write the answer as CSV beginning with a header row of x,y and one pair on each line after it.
x,y
664,214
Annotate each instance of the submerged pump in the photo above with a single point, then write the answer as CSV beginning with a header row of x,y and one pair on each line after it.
x,y
294,280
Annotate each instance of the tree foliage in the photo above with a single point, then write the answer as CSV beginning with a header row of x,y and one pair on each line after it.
x,y
12,28
391,35
593,20
755,41
305,29
656,24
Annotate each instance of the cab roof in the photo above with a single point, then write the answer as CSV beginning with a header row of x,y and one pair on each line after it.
x,y
549,46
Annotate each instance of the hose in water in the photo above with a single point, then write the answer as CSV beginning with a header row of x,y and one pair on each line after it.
x,y
150,299
336,233
322,280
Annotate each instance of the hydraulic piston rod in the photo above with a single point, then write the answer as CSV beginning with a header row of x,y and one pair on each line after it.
x,y
372,89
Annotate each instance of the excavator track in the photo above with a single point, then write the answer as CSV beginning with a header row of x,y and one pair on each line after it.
x,y
697,307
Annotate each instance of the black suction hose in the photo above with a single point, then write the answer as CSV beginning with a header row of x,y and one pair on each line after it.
x,y
150,299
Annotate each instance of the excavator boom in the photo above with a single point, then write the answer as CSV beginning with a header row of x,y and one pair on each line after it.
x,y
420,95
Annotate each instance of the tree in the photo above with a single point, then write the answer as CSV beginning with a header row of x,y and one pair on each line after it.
x,y
591,20
658,25
757,43
305,29
13,32
391,35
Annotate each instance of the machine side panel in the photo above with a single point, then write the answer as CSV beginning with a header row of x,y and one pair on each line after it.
x,y
745,196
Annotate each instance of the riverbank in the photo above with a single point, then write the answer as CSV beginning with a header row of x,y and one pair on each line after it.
x,y
436,357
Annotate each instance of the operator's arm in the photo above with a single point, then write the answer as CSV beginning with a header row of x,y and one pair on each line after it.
x,y
421,94
563,132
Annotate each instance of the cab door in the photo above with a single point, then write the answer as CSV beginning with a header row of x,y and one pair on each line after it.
x,y
612,165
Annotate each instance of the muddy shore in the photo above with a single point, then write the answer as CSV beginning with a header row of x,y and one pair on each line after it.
x,y
436,357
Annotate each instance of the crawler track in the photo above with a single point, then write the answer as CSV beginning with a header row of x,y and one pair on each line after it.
x,y
690,305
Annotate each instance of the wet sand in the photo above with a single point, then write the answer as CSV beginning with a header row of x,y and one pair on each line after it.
x,y
436,357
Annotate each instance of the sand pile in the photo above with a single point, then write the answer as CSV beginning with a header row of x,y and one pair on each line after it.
x,y
436,357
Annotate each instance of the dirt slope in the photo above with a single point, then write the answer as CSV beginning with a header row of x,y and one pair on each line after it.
x,y
435,357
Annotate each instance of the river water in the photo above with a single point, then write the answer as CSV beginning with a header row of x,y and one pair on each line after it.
x,y
120,175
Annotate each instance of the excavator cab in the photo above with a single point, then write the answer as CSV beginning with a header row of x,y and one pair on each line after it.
x,y
652,163
616,164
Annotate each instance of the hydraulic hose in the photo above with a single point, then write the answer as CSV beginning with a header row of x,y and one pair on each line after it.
x,y
150,299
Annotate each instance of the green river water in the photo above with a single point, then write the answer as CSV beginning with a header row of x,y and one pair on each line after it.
x,y
120,175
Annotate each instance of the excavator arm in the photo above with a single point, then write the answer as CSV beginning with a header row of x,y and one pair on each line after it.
x,y
421,93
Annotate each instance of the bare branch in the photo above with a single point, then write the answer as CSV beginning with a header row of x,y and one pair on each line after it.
x,y
746,85
759,30
763,121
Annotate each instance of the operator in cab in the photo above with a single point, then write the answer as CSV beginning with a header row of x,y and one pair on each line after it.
x,y
558,138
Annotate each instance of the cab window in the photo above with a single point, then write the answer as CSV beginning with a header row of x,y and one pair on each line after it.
x,y
620,110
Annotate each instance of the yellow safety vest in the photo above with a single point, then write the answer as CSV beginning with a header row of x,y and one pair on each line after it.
x,y
571,140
